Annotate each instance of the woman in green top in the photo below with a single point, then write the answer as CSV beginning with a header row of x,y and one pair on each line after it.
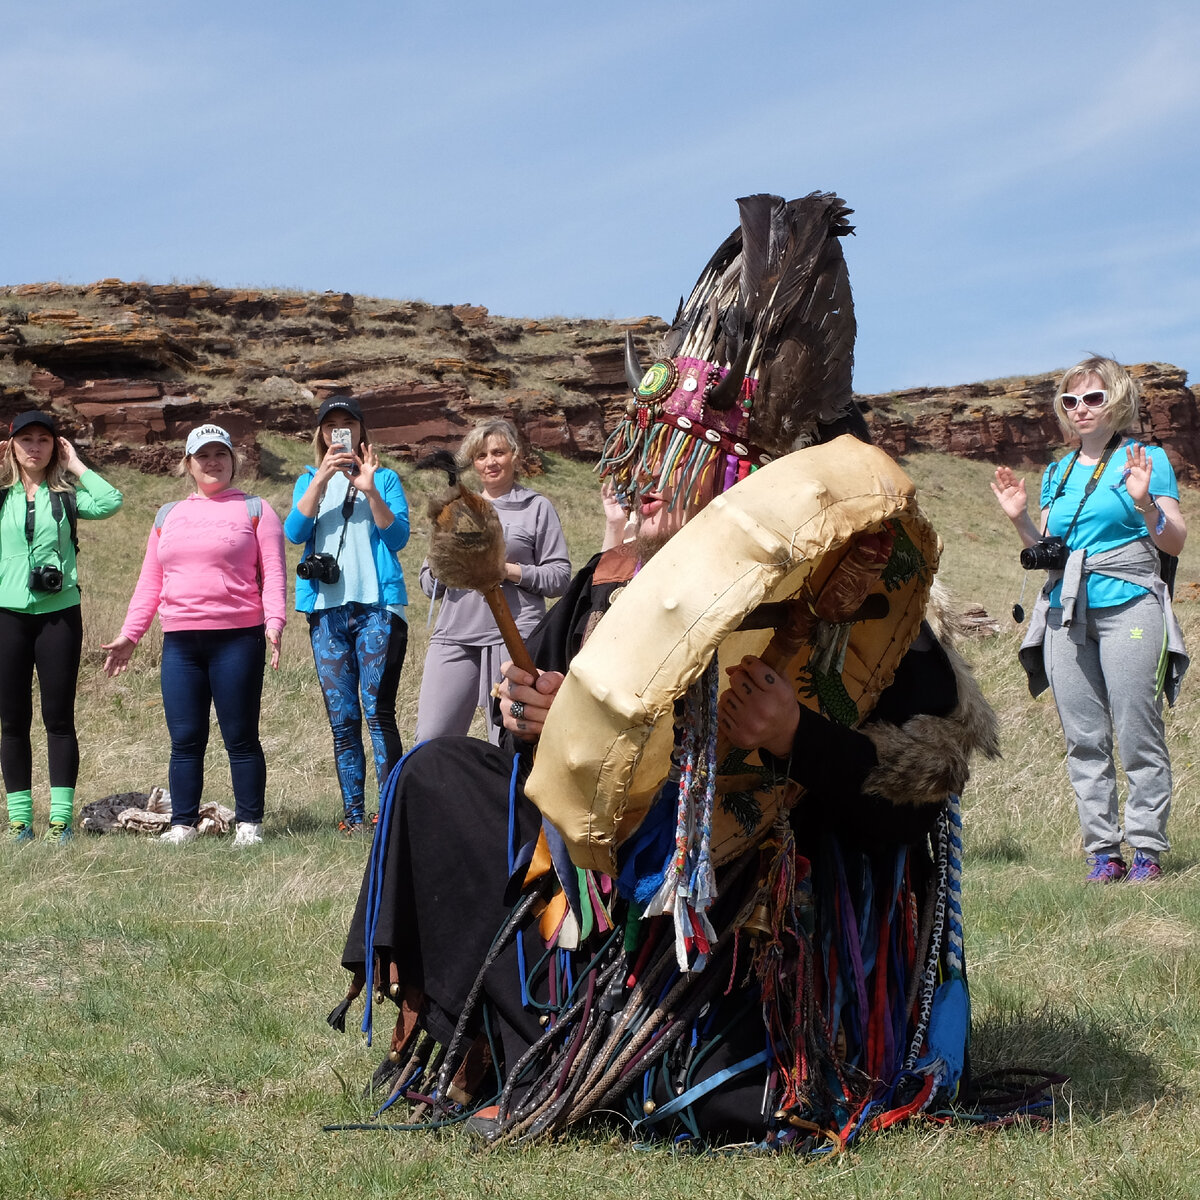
x,y
44,486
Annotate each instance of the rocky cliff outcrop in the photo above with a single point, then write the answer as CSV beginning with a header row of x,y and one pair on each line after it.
x,y
1011,421
130,368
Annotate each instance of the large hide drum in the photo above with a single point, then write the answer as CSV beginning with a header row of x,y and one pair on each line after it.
x,y
777,535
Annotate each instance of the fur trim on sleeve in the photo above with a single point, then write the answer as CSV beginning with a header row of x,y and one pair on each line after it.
x,y
926,758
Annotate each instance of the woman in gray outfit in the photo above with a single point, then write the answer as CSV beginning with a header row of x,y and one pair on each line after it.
x,y
465,649
1102,635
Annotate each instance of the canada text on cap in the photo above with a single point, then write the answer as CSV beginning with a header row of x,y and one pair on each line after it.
x,y
203,435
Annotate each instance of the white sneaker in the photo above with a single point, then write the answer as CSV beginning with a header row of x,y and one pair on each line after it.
x,y
249,833
179,835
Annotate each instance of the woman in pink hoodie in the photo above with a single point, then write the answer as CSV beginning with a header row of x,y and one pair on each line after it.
x,y
214,573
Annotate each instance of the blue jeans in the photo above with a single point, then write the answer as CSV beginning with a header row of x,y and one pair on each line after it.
x,y
204,669
359,652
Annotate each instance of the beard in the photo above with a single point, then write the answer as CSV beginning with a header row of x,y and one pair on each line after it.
x,y
648,545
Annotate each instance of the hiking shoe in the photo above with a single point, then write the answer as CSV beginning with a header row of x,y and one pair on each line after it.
x,y
1106,868
352,822
18,833
179,835
59,833
249,833
1144,869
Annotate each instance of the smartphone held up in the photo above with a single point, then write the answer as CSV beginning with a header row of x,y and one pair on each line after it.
x,y
341,437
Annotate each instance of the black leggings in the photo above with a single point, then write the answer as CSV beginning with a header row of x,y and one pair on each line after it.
x,y
50,643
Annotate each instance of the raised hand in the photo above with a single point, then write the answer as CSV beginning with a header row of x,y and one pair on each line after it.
x,y
1138,470
1010,492
363,475
336,459
616,518
70,457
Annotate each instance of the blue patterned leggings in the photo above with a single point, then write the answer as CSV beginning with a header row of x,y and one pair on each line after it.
x,y
359,651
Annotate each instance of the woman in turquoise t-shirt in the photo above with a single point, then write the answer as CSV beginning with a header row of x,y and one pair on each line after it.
x,y
44,487
351,516
1115,504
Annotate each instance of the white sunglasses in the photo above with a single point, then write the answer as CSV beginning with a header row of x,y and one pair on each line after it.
x,y
1088,400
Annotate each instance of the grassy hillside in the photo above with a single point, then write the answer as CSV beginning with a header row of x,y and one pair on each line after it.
x,y
163,1011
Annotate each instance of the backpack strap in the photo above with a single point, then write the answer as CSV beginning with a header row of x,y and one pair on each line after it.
x,y
253,509
61,502
160,517
71,504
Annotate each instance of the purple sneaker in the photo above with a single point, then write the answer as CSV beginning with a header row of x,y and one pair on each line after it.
x,y
1144,869
1106,868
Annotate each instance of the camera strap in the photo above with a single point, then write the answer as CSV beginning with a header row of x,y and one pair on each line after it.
x,y
1089,488
347,513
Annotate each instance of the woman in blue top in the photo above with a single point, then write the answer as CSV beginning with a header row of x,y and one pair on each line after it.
x,y
1103,630
352,518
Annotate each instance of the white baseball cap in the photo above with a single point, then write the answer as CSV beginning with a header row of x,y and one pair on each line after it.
x,y
203,435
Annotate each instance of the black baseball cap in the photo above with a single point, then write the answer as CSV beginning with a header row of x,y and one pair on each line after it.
x,y
346,404
32,417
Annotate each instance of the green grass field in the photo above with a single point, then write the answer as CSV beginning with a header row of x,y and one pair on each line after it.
x,y
162,1011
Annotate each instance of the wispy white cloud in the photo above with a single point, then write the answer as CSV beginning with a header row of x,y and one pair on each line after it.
x,y
549,157
1094,118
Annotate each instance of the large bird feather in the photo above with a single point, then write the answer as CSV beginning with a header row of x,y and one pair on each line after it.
x,y
779,284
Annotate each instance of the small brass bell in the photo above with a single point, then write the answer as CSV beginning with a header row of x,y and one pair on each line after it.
x,y
758,923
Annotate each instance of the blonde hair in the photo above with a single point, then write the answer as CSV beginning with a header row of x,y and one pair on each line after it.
x,y
181,471
319,448
476,441
58,478
1120,410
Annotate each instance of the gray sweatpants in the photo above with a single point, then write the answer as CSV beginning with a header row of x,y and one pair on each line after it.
x,y
457,680
1111,682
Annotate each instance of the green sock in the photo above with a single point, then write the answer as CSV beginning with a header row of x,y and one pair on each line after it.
x,y
62,804
20,807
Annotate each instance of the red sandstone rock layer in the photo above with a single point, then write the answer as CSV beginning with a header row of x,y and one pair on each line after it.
x,y
132,367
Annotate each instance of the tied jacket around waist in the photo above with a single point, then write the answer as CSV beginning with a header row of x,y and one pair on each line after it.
x,y
1135,562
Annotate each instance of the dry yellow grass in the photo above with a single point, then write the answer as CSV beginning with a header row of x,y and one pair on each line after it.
x,y
163,1013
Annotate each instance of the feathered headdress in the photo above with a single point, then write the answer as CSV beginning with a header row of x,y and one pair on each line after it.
x,y
757,362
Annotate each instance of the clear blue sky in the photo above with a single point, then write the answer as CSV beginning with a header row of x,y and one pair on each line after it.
x,y
1024,175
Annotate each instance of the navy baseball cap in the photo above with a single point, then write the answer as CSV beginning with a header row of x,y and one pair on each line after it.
x,y
346,404
32,417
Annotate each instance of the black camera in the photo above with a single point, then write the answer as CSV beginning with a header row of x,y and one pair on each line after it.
x,y
320,568
45,579
1046,554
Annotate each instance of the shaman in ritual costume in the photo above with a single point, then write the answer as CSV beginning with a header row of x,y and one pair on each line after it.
x,y
633,914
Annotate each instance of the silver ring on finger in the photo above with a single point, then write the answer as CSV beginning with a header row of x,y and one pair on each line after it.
x,y
518,710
